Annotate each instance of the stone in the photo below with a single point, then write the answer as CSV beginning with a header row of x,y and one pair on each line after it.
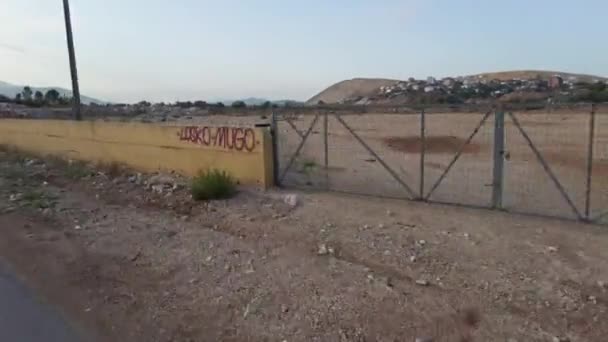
x,y
424,339
467,236
422,242
381,225
322,250
601,284
325,250
158,188
413,258
552,249
291,200
77,227
422,282
390,213
592,299
161,180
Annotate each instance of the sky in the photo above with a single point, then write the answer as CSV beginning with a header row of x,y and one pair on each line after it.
x,y
159,50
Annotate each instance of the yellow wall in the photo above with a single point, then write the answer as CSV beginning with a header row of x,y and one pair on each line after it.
x,y
244,152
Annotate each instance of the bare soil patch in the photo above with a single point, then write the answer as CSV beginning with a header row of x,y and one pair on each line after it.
x,y
143,264
434,144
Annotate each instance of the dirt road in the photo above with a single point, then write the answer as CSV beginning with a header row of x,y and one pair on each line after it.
x,y
131,258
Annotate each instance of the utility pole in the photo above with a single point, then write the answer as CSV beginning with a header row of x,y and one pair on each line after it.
x,y
75,90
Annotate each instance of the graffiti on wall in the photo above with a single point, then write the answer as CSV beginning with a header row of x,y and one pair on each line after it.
x,y
230,138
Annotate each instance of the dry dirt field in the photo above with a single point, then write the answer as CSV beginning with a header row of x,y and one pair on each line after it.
x,y
561,137
131,257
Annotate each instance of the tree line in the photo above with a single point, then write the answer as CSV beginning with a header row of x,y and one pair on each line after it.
x,y
32,98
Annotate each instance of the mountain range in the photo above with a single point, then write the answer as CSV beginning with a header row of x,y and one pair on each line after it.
x,y
11,90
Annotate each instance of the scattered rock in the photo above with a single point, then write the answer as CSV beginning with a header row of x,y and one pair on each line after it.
x,y
366,226
185,218
422,242
250,269
413,258
552,249
389,213
291,200
467,236
158,188
424,339
422,282
381,225
325,250
592,299
161,180
77,227
601,284
561,339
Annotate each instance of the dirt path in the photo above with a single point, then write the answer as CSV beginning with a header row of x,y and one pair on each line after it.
x,y
137,262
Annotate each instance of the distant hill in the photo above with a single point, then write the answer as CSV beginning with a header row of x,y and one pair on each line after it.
x,y
11,90
369,87
256,101
350,88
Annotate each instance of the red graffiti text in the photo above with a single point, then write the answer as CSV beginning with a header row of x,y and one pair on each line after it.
x,y
231,138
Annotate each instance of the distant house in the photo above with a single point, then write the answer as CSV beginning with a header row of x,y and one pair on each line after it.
x,y
431,80
448,82
429,89
555,82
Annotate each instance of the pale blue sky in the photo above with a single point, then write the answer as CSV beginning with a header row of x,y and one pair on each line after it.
x,y
129,50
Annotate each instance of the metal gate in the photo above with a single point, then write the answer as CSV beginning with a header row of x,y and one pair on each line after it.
x,y
527,162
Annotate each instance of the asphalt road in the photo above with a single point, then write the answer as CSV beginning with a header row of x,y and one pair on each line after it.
x,y
25,318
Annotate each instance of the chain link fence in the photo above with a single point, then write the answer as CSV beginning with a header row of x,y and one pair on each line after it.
x,y
549,162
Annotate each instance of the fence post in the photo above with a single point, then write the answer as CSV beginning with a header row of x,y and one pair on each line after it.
x,y
326,149
590,162
499,161
422,151
274,131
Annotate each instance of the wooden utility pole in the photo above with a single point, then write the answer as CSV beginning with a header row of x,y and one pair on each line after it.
x,y
75,90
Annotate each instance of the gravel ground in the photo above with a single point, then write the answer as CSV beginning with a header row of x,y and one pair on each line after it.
x,y
131,257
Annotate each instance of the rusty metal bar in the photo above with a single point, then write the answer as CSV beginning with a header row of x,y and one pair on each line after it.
x,y
295,155
546,167
422,151
375,155
293,126
590,162
458,154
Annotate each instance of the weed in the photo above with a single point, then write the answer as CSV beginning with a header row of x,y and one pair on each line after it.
x,y
15,171
213,184
38,199
76,170
308,166
111,169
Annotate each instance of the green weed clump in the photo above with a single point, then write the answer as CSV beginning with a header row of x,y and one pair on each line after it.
x,y
213,184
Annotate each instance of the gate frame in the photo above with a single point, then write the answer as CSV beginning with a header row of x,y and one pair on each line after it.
x,y
499,153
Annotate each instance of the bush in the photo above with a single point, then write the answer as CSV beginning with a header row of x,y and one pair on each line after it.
x,y
213,184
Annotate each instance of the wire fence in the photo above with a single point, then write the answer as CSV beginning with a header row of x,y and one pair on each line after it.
x,y
550,162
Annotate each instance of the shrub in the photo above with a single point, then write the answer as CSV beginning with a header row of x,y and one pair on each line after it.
x,y
76,170
213,184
